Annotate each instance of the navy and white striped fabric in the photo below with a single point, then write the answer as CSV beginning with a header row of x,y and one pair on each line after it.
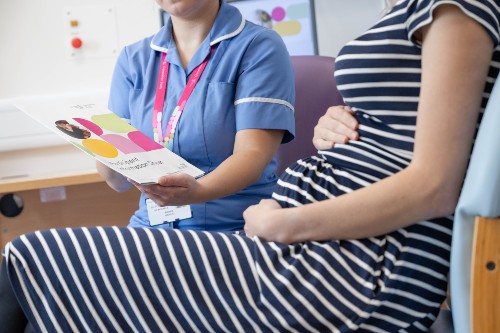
x,y
143,280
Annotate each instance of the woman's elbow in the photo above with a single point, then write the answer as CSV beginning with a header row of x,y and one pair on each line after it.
x,y
447,202
444,198
436,187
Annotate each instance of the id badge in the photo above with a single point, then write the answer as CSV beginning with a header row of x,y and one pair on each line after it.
x,y
167,214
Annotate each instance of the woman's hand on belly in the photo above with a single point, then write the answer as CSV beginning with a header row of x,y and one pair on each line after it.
x,y
268,221
337,125
260,220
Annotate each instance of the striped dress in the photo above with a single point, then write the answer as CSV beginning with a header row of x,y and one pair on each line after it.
x,y
143,280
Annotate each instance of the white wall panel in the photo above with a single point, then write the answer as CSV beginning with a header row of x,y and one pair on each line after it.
x,y
339,21
33,45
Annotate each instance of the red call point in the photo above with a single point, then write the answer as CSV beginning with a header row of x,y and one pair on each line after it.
x,y
76,43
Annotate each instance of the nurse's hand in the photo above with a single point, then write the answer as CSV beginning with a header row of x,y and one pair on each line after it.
x,y
173,190
338,125
266,221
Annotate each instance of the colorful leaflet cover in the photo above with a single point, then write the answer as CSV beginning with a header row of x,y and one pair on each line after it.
x,y
108,138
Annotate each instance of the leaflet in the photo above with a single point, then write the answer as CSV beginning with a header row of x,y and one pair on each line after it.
x,y
100,133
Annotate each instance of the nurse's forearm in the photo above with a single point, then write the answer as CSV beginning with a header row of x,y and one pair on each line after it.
x,y
114,179
253,151
236,173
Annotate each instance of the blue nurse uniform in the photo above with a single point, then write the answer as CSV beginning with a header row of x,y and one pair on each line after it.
x,y
248,83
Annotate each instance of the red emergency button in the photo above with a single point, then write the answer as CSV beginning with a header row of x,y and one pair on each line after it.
x,y
76,43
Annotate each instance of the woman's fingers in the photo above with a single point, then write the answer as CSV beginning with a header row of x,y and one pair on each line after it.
x,y
338,125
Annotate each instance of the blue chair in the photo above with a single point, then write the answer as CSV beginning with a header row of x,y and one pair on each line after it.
x,y
475,255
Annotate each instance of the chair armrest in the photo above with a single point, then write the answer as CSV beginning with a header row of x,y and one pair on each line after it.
x,y
485,289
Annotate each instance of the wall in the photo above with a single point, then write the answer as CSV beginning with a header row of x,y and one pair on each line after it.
x,y
34,58
339,21
32,34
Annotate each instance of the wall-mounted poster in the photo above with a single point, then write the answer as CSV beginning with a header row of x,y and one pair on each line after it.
x,y
294,20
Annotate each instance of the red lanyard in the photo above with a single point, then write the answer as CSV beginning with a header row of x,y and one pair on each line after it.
x,y
161,90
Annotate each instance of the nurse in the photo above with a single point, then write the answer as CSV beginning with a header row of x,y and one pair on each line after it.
x,y
216,90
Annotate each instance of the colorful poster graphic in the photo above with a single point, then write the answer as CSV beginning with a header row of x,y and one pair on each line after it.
x,y
293,20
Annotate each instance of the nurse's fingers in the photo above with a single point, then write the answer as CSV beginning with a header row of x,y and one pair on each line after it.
x,y
179,180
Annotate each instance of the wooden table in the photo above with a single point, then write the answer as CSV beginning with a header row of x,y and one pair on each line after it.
x,y
65,199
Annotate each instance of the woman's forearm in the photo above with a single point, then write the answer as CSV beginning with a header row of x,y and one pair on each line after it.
x,y
385,206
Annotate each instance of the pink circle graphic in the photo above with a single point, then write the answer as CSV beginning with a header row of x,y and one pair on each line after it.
x,y
144,141
122,143
93,127
278,14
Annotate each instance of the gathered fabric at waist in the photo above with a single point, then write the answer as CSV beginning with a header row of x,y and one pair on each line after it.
x,y
381,150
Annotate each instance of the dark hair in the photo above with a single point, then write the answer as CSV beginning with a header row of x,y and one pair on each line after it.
x,y
76,132
58,122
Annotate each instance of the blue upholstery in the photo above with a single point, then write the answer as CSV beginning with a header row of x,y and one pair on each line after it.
x,y
480,196
443,323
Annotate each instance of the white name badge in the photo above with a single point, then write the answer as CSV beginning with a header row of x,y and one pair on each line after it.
x,y
160,215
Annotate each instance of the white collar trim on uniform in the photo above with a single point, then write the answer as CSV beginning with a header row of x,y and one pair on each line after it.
x,y
230,35
216,41
158,48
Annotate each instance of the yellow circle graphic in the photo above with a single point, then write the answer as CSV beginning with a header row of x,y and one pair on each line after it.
x,y
101,148
287,28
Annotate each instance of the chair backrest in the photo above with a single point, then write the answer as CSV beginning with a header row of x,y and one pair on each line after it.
x,y
480,197
315,91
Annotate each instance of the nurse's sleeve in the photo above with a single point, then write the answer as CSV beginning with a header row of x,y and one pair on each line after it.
x,y
121,84
265,89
